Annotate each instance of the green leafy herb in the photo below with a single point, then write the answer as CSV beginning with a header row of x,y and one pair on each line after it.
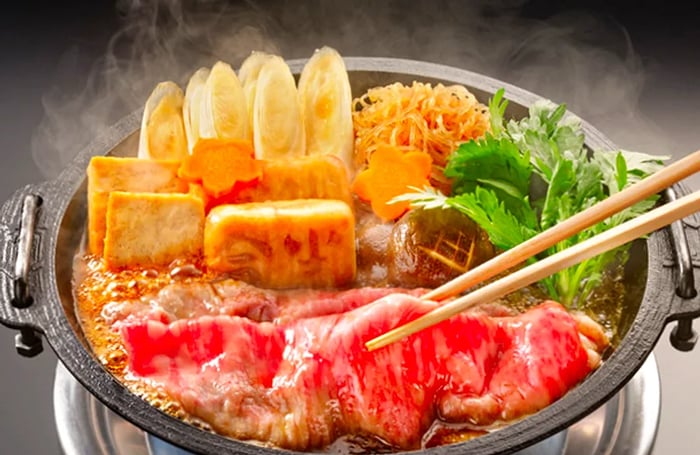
x,y
497,109
496,165
493,176
483,206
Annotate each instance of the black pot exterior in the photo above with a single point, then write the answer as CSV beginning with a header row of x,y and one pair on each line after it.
x,y
60,219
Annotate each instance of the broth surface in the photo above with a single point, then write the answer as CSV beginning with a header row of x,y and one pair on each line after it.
x,y
96,287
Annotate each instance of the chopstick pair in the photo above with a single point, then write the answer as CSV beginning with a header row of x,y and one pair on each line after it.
x,y
608,240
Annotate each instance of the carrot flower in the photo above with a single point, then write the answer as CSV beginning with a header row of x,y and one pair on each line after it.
x,y
390,173
220,164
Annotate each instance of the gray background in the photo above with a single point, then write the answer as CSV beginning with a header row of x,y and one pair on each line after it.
x,y
48,52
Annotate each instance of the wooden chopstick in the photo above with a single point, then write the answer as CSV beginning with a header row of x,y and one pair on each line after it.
x,y
610,239
649,186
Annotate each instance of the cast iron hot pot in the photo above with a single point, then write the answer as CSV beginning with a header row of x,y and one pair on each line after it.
x,y
41,228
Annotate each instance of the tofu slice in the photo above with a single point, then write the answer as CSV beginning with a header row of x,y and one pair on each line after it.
x,y
308,177
106,174
151,229
283,244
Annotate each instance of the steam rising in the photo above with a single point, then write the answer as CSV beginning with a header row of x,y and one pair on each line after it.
x,y
578,58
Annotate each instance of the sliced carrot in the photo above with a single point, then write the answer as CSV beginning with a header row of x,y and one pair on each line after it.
x,y
220,164
390,173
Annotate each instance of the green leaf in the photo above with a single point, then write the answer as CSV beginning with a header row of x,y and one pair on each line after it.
x,y
489,159
637,166
621,174
501,185
497,109
547,136
552,120
495,164
557,203
483,206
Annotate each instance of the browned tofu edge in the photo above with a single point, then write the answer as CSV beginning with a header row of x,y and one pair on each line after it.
x,y
107,173
266,227
152,229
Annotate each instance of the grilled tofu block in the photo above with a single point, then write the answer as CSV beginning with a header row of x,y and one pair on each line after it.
x,y
308,177
151,229
106,174
283,244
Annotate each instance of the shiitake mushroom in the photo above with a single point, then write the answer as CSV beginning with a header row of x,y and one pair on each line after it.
x,y
426,248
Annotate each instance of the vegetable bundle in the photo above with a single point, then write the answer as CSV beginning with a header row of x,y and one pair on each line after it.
x,y
497,181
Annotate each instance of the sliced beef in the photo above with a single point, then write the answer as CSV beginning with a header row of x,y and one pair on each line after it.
x,y
236,298
302,384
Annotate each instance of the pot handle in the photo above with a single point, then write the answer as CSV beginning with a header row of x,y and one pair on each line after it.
x,y
686,307
21,249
